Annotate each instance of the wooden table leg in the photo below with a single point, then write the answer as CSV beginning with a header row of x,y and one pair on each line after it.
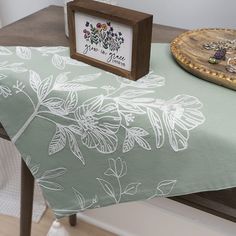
x,y
73,220
27,193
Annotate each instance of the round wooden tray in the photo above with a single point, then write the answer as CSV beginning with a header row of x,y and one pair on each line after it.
x,y
189,52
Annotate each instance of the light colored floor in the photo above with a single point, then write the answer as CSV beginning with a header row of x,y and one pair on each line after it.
x,y
158,217
151,218
9,226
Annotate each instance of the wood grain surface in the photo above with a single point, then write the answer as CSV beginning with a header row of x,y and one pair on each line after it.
x,y
189,52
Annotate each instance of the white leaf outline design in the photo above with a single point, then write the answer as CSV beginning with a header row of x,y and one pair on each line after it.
x,y
142,142
54,173
178,139
126,108
131,189
27,160
130,107
162,187
50,185
5,51
108,108
73,62
80,198
14,67
128,142
62,78
112,167
45,180
81,203
157,127
121,167
53,102
60,62
143,100
72,87
23,52
45,88
71,102
35,169
109,172
74,147
5,91
132,93
107,187
75,129
55,105
117,168
58,141
35,80
135,134
138,131
63,83
2,76
87,77
50,50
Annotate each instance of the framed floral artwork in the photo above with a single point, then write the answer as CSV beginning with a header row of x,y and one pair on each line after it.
x,y
109,37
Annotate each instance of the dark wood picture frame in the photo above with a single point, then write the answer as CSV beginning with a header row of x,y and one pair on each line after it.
x,y
141,24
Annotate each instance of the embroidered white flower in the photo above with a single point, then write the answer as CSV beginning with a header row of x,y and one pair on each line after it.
x,y
99,121
180,115
113,108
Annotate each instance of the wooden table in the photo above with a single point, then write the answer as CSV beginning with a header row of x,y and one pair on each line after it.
x,y
46,28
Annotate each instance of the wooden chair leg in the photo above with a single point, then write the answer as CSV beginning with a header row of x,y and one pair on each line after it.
x,y
73,220
27,193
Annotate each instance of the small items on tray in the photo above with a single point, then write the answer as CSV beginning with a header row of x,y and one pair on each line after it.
x,y
224,50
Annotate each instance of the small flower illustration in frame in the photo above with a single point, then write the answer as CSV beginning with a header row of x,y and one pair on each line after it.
x,y
112,38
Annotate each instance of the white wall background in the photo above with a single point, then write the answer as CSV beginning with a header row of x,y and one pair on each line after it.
x,y
13,10
187,14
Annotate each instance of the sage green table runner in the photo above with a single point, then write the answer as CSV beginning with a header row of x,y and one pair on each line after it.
x,y
92,139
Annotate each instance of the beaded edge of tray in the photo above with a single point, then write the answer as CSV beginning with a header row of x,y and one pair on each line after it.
x,y
197,69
